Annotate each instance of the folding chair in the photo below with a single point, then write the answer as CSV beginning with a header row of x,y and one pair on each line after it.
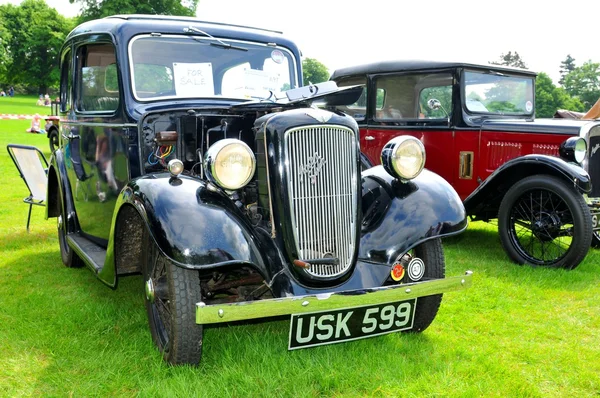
x,y
28,160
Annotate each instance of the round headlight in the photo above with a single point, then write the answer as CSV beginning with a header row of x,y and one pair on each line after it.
x,y
403,157
230,163
573,149
175,167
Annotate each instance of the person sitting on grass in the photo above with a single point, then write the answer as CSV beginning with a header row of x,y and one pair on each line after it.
x,y
36,123
40,101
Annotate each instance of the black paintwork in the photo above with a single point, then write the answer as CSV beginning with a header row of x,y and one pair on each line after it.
x,y
395,66
483,203
198,225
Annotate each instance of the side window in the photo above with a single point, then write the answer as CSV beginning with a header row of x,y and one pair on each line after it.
x,y
97,82
66,76
404,97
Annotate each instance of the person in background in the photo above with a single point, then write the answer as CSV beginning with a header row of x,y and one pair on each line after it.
x,y
40,101
36,125
2,93
11,91
46,100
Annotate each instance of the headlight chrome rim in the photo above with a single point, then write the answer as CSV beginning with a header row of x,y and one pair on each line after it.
x,y
214,156
573,149
399,150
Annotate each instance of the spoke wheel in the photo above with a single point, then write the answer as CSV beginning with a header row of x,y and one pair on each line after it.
x,y
544,222
432,254
171,294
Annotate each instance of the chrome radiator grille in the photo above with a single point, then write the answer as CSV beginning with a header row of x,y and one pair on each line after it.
x,y
321,174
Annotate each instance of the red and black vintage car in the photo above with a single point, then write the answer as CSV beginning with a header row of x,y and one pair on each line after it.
x,y
477,124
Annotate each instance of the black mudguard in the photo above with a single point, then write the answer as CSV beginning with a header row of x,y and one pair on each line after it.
x,y
59,191
196,227
484,202
397,216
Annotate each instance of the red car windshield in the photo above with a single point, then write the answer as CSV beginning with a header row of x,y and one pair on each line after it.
x,y
497,93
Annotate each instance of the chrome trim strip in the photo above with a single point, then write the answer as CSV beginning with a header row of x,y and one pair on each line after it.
x,y
99,124
229,312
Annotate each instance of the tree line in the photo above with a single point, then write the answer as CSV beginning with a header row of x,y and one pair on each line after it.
x,y
32,33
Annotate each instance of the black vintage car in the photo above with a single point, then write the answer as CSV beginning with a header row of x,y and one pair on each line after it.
x,y
189,153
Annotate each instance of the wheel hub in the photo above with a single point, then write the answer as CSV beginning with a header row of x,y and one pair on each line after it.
x,y
546,227
150,290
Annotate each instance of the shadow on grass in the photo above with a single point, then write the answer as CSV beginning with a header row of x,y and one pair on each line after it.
x,y
479,248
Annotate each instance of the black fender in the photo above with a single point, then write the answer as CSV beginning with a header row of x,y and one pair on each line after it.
x,y
58,190
399,215
196,227
483,203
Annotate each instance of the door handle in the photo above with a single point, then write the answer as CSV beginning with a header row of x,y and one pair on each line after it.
x,y
369,138
71,136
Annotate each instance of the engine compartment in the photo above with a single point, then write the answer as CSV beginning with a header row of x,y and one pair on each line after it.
x,y
187,134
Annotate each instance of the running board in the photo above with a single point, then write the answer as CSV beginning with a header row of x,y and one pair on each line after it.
x,y
91,254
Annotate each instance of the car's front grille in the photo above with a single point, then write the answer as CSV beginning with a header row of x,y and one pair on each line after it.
x,y
594,160
321,173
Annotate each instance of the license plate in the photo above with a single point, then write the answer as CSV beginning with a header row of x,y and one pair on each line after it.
x,y
336,326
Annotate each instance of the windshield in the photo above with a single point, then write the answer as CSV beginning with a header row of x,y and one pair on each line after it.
x,y
198,66
498,93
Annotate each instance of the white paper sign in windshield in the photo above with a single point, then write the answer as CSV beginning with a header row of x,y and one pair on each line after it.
x,y
258,83
193,80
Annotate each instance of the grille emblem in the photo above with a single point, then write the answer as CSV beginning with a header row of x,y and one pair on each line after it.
x,y
319,114
595,148
312,168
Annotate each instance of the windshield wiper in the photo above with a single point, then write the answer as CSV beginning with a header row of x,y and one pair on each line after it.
x,y
219,43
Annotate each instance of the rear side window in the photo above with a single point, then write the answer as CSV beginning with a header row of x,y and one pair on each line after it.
x,y
401,97
97,79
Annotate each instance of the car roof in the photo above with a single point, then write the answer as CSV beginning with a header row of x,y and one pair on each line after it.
x,y
418,65
125,26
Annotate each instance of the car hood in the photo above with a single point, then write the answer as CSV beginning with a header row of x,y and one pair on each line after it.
x,y
557,126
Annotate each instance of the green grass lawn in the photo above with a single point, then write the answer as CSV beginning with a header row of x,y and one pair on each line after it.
x,y
517,332
22,105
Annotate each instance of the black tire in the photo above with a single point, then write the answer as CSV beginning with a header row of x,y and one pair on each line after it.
x,y
432,254
170,304
544,222
69,257
53,140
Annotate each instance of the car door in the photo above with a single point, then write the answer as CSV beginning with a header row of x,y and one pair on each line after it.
x,y
95,140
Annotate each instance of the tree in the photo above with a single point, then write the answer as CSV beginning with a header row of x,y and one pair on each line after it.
x,y
4,50
510,59
94,9
567,66
313,71
584,83
37,33
549,98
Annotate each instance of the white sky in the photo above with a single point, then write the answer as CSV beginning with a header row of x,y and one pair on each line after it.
x,y
343,33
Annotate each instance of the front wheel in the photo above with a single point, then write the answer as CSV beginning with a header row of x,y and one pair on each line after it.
x,y
543,221
433,266
170,295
